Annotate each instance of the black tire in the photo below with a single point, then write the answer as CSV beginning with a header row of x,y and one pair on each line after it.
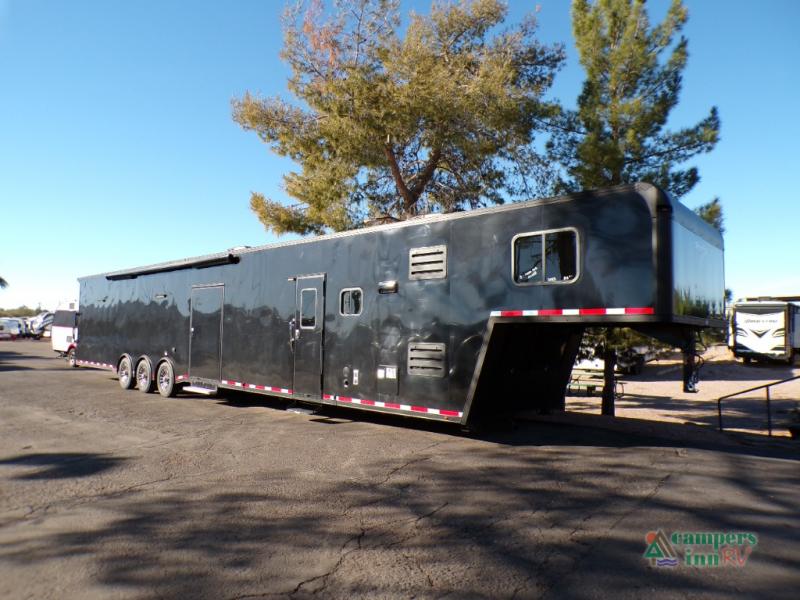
x,y
71,360
165,380
144,377
125,374
746,360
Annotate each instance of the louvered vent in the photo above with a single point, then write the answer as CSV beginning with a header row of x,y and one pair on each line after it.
x,y
427,263
426,359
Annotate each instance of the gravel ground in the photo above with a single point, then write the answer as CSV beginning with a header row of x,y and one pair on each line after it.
x,y
113,494
656,394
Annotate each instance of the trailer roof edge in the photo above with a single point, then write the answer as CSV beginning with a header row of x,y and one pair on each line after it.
x,y
648,191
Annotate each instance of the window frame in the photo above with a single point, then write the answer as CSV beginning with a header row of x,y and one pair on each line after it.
x,y
543,233
341,296
300,311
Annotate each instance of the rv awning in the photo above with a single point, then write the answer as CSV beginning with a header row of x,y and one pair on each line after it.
x,y
199,262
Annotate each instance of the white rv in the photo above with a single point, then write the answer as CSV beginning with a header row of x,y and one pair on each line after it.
x,y
64,334
765,329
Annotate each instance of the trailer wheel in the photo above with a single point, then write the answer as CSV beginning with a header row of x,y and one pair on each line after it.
x,y
144,378
71,361
165,380
125,373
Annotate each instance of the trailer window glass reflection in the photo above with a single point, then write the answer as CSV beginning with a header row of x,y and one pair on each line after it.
x,y
350,302
308,308
546,257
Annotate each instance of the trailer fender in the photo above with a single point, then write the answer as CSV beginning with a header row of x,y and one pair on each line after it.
x,y
125,355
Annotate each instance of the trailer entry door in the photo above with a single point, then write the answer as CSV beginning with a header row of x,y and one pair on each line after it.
x,y
308,324
206,332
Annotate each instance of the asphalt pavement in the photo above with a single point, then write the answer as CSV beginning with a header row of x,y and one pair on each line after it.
x,y
106,493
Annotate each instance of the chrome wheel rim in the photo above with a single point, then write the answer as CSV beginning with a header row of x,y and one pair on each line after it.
x,y
142,378
124,372
163,378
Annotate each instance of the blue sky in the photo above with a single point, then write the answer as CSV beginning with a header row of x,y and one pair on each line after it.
x,y
117,146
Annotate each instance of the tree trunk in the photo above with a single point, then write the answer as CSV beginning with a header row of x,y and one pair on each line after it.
x,y
409,199
610,358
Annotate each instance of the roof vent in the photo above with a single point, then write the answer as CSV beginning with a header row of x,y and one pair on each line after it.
x,y
426,359
427,263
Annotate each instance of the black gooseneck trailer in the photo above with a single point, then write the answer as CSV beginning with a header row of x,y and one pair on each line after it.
x,y
447,317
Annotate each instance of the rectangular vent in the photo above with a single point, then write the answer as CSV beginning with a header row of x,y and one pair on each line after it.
x,y
426,359
427,263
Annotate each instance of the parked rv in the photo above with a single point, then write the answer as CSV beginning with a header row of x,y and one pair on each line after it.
x,y
26,326
629,361
40,325
13,327
765,329
448,317
4,333
36,321
64,334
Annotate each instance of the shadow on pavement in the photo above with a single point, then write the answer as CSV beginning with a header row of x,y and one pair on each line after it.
x,y
62,465
11,360
566,522
561,429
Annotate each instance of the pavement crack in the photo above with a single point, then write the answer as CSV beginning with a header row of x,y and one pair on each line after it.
x,y
411,461
586,546
343,553
415,561
431,513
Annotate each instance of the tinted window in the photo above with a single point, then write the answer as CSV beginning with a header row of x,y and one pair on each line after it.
x,y
528,261
64,318
561,249
308,308
548,257
350,302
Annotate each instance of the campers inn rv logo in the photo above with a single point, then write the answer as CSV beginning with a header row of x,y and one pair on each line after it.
x,y
699,549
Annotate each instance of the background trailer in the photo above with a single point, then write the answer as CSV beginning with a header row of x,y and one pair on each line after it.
x,y
444,317
766,328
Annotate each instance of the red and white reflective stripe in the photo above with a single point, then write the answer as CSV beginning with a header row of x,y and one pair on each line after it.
x,y
96,364
573,312
394,406
253,386
182,377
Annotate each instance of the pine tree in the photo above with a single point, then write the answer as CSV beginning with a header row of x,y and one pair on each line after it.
x,y
711,213
388,127
617,134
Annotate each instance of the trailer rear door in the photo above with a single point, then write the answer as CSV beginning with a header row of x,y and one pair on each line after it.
x,y
308,328
206,332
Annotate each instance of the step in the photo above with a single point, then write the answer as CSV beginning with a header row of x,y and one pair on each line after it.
x,y
200,390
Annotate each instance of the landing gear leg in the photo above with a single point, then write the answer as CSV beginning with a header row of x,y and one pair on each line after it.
x,y
691,365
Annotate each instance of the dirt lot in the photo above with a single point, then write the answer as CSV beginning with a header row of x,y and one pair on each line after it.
x,y
656,394
113,494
